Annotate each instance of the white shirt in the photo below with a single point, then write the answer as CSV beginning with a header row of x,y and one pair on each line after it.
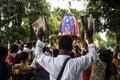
x,y
73,67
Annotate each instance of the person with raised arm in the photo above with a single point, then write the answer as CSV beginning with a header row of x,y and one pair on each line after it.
x,y
72,66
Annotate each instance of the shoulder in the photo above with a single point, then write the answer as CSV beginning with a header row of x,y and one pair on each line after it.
x,y
16,66
115,62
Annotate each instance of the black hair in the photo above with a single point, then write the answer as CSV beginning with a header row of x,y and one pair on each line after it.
x,y
14,48
45,49
65,43
100,49
29,44
34,43
55,52
106,55
72,54
24,55
3,51
76,47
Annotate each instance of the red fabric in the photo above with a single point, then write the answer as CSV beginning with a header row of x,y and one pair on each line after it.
x,y
87,73
13,60
77,54
40,68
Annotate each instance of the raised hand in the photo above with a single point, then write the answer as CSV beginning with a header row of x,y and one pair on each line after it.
x,y
40,33
88,31
89,35
84,43
116,48
117,37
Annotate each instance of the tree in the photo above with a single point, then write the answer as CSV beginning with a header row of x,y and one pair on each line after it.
x,y
106,14
20,14
35,9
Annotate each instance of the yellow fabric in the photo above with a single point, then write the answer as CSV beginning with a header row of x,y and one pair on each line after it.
x,y
115,62
112,77
24,66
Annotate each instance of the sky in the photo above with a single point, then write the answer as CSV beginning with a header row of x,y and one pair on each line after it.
x,y
75,4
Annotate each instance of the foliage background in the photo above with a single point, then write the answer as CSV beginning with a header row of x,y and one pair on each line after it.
x,y
16,17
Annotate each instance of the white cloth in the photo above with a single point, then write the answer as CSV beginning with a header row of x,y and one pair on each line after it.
x,y
73,67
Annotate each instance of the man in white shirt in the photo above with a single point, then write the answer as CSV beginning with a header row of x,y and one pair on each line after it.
x,y
74,66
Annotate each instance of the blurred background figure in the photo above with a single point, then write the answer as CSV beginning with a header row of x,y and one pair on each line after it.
x,y
13,57
21,71
5,68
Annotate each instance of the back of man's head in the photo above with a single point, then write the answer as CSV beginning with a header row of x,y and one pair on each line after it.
x,y
65,43
24,55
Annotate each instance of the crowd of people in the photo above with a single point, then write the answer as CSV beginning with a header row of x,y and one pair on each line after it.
x,y
36,61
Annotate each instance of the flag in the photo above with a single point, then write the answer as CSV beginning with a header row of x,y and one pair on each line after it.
x,y
70,4
40,23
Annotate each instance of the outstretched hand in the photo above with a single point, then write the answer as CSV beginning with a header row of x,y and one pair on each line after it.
x,y
88,30
116,48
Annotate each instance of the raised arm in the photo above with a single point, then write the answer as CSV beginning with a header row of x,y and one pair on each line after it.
x,y
85,61
116,48
84,43
47,62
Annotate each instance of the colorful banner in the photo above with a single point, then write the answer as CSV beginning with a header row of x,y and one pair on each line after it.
x,y
40,23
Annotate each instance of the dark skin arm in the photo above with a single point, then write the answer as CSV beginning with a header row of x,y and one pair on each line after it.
x,y
89,34
83,39
116,49
40,33
84,43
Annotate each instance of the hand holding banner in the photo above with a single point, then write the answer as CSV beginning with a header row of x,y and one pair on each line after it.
x,y
40,23
87,22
